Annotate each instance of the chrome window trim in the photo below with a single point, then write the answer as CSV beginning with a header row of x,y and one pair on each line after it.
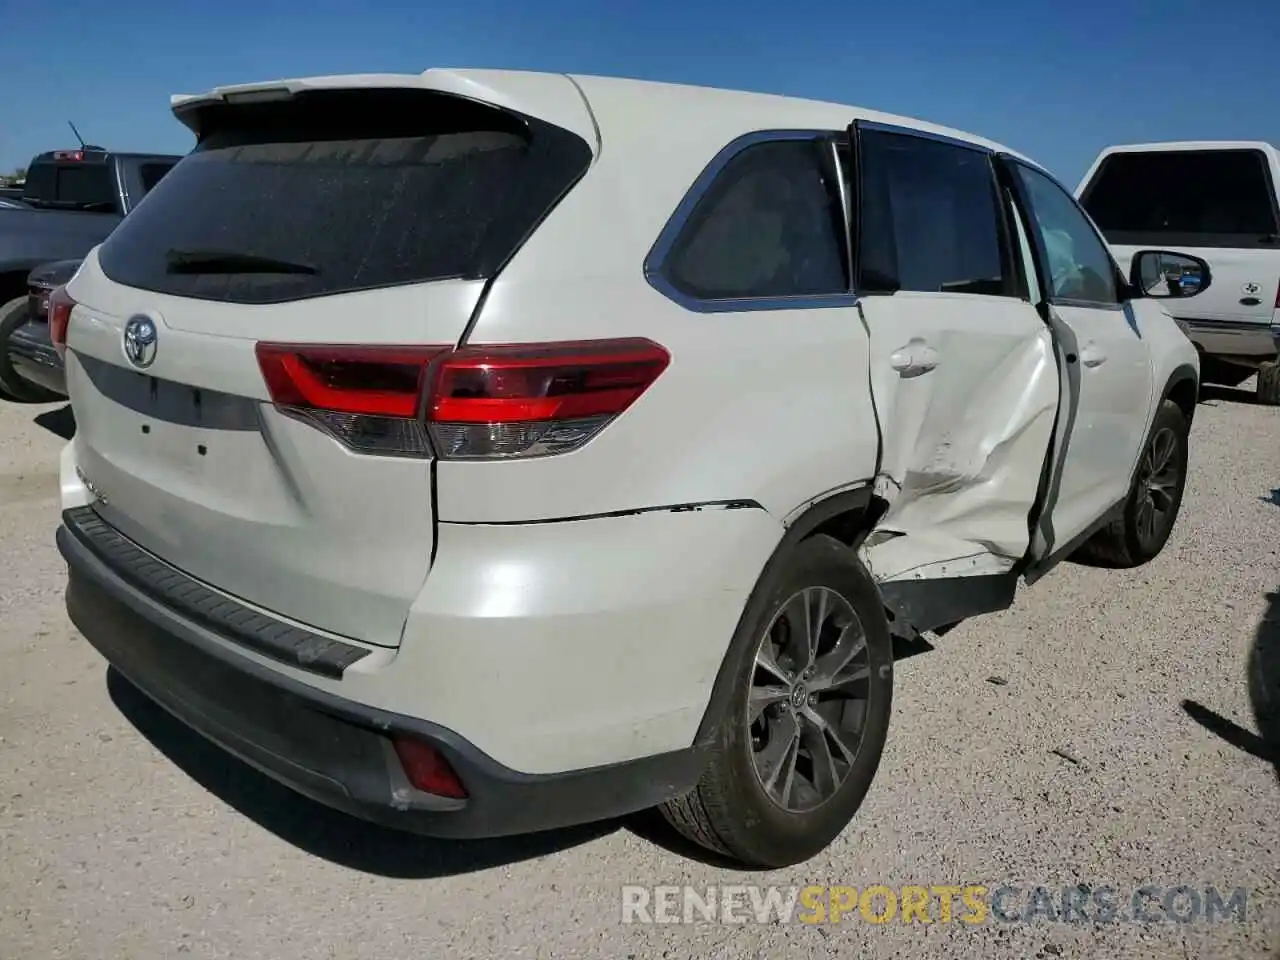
x,y
655,261
846,210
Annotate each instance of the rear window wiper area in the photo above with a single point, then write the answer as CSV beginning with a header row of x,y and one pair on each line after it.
x,y
230,261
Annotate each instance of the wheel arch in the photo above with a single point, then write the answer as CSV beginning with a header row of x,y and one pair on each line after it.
x,y
847,515
13,282
1183,388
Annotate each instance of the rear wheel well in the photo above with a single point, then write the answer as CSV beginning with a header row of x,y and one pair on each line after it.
x,y
851,525
1185,393
13,285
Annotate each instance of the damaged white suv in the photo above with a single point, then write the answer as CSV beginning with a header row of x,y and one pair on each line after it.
x,y
483,452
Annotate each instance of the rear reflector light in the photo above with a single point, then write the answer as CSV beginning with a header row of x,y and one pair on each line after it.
x,y
60,307
428,771
475,403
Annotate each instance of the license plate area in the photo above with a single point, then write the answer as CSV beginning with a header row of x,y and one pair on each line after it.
x,y
167,423
176,404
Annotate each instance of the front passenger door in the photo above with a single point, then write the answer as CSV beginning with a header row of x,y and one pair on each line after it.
x,y
1110,380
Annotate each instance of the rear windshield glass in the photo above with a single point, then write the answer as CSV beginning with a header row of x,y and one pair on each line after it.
x,y
333,192
1214,198
72,184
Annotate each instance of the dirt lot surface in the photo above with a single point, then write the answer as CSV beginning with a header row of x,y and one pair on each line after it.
x,y
1110,730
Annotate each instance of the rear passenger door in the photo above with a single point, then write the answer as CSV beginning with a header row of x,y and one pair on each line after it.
x,y
1109,371
963,370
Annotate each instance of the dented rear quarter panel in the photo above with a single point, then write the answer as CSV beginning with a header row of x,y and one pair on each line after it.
x,y
766,405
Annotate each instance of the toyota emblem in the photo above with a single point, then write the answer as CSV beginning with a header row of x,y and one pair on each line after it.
x,y
140,341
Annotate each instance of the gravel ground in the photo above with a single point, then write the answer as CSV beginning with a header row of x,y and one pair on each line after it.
x,y
1105,731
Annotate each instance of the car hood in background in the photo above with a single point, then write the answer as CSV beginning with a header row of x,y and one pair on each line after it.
x,y
50,275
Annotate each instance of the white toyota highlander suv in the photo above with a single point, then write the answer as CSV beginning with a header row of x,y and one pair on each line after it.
x,y
484,452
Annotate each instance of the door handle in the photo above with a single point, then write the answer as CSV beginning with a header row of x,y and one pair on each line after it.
x,y
1092,355
913,358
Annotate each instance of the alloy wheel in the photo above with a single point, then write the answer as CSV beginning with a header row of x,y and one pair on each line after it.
x,y
1158,479
808,699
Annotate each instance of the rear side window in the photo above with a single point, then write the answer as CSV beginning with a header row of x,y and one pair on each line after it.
x,y
331,192
930,218
1207,198
769,226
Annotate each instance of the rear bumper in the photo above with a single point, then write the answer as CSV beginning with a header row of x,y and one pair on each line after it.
x,y
330,748
32,356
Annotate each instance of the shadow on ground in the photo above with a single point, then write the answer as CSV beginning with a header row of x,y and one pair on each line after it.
x,y
1212,394
60,422
1264,695
316,829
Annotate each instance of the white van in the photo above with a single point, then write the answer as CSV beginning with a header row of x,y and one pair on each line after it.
x,y
1216,199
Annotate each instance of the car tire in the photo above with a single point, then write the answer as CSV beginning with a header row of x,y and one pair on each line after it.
x,y
1137,535
840,709
1268,389
12,387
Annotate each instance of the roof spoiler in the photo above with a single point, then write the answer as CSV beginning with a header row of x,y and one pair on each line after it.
x,y
553,98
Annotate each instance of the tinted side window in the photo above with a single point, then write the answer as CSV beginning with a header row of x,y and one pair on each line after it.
x,y
1080,267
1215,198
930,218
769,226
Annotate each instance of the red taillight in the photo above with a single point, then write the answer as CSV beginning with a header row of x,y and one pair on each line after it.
x,y
68,154
519,401
369,398
60,307
480,402
369,381
428,771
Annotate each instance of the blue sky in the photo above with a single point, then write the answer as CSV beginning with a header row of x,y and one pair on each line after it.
x,y
1056,81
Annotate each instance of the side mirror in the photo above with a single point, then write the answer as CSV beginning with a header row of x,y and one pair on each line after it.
x,y
1166,275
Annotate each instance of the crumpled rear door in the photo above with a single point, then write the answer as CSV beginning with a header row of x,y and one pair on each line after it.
x,y
963,368
966,391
